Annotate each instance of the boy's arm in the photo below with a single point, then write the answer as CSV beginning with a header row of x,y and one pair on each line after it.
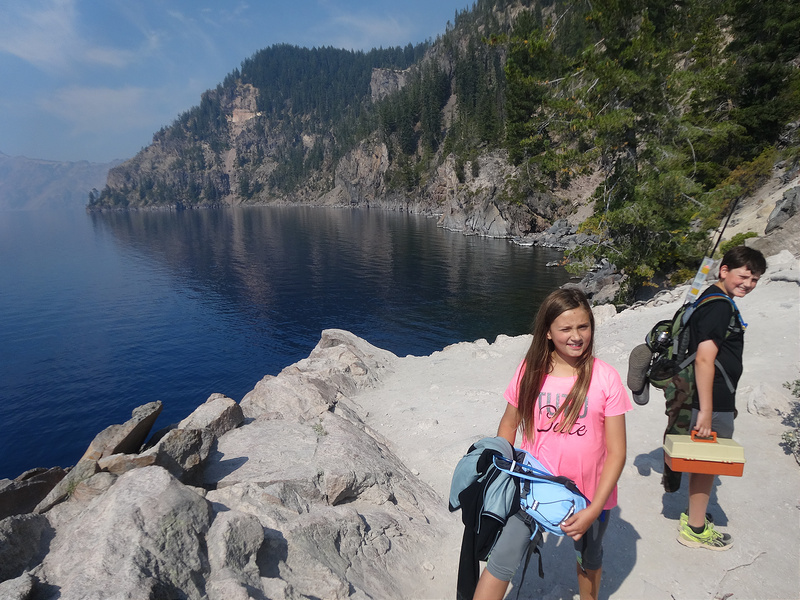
x,y
704,380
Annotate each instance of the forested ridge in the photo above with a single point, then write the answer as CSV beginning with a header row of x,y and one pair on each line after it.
x,y
682,107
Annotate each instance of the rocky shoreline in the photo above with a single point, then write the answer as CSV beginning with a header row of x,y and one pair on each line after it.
x,y
287,494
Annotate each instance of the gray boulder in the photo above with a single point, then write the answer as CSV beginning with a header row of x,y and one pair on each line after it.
x,y
767,400
233,544
22,494
340,511
128,437
117,464
218,414
783,227
601,284
182,452
20,588
340,364
85,468
95,486
22,538
143,539
787,207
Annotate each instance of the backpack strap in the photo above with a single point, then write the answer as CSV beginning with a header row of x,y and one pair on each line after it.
x,y
533,548
690,359
736,316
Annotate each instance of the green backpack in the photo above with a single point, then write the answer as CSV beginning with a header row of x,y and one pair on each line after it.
x,y
671,369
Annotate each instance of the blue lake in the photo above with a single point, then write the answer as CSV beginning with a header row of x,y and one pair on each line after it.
x,y
102,313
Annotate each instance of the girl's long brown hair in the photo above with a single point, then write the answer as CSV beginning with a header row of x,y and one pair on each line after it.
x,y
539,362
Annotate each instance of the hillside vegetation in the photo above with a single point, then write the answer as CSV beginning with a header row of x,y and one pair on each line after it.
x,y
681,108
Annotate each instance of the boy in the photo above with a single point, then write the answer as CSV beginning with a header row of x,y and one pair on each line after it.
x,y
717,334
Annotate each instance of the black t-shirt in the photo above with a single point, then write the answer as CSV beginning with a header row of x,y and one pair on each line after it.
x,y
713,321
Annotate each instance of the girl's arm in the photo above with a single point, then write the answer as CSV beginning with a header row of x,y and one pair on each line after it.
x,y
616,447
509,423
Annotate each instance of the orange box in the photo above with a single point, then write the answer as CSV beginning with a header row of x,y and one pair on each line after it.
x,y
691,454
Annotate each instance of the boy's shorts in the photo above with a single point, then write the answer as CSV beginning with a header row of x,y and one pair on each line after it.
x,y
516,535
721,423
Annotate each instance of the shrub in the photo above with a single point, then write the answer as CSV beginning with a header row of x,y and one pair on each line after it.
x,y
736,240
791,438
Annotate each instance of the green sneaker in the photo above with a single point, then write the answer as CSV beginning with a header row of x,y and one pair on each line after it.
x,y
710,538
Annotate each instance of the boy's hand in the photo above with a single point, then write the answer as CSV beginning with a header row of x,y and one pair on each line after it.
x,y
703,424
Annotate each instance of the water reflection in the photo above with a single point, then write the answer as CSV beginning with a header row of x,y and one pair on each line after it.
x,y
392,278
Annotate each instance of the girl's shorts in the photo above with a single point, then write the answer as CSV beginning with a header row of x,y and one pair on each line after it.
x,y
513,543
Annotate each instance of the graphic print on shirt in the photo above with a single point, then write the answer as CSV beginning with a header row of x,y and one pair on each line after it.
x,y
548,406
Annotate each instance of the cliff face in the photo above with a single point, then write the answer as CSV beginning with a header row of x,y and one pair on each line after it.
x,y
385,82
253,143
234,167
185,168
479,205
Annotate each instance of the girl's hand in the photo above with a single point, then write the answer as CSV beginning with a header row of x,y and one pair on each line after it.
x,y
577,524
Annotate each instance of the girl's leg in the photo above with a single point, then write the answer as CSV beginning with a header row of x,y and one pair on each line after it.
x,y
589,550
504,559
589,582
490,587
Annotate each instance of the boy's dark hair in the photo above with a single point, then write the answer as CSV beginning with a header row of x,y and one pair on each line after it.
x,y
742,256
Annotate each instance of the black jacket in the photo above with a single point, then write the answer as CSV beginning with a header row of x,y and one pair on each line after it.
x,y
487,497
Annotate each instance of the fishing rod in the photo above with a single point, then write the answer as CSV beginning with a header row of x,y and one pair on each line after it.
x,y
705,266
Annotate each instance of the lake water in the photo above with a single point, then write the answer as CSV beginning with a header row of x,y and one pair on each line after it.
x,y
102,313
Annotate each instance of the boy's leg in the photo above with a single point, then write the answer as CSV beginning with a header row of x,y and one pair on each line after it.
x,y
698,532
700,485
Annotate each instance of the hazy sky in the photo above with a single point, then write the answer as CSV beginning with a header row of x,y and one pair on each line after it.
x,y
94,79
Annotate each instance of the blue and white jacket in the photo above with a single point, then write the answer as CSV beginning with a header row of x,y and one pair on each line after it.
x,y
487,497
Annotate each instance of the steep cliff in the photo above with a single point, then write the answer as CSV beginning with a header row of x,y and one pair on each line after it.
x,y
252,143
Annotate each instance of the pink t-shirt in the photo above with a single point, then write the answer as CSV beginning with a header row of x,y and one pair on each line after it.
x,y
581,453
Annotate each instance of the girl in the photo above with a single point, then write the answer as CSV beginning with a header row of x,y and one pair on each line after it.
x,y
570,408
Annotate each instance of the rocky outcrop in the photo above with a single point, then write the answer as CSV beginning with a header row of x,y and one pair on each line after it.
x,y
143,538
360,176
126,438
561,234
21,538
783,227
479,204
601,284
385,82
288,495
787,207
